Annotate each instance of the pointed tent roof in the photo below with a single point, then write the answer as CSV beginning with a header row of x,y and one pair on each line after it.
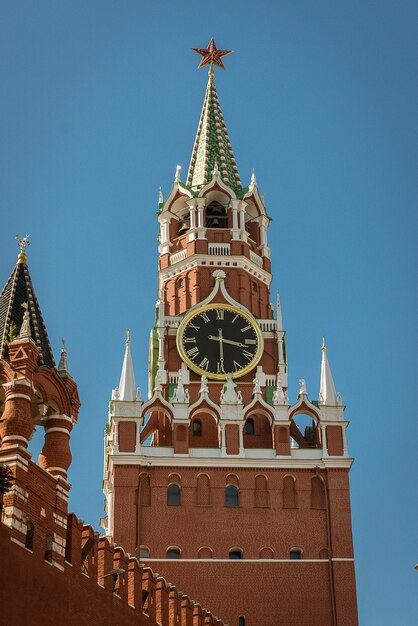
x,y
327,393
127,386
17,291
212,146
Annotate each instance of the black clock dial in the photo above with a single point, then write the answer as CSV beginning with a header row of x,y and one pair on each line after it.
x,y
218,340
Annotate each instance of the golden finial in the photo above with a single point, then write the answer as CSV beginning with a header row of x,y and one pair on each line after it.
x,y
128,336
324,348
23,243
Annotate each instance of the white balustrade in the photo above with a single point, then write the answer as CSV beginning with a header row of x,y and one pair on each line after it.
x,y
267,325
256,259
178,256
220,249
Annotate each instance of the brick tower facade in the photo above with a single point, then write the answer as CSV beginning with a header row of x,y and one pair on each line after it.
x,y
217,480
55,569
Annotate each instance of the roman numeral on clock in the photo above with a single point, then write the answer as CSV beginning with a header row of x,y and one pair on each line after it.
x,y
220,314
249,355
243,330
205,317
193,352
193,340
204,364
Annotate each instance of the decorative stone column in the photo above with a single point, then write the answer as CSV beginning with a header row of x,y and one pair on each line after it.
x,y
16,423
56,453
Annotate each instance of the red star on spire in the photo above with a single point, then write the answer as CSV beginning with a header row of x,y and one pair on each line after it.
x,y
211,55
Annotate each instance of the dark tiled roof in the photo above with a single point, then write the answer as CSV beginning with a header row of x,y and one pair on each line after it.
x,y
19,289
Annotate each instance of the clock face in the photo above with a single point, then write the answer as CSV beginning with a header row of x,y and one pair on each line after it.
x,y
218,339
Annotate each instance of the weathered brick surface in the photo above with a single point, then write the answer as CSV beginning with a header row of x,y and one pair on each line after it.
x,y
262,527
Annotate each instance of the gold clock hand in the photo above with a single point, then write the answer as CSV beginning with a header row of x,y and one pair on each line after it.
x,y
221,347
234,343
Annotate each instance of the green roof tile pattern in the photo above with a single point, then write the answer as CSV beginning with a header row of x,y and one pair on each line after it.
x,y
212,145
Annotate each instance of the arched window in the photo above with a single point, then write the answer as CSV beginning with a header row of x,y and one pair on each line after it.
x,y
197,428
173,495
203,490
144,552
266,553
289,493
235,554
249,427
317,493
173,553
261,494
241,621
30,531
216,216
180,283
231,496
295,554
145,490
183,224
48,548
254,286
204,553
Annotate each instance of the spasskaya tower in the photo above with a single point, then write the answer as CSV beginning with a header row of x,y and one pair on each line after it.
x,y
216,480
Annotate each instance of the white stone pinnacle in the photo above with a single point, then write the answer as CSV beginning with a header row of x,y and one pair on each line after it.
x,y
127,385
327,394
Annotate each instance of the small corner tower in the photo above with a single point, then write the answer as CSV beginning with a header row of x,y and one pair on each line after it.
x,y
34,394
217,476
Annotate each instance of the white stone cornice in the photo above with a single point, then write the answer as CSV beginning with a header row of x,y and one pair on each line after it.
x,y
228,461
220,262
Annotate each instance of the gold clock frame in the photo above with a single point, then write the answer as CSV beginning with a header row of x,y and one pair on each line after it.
x,y
228,307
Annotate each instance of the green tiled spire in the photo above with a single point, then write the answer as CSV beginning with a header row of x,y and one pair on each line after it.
x,y
212,145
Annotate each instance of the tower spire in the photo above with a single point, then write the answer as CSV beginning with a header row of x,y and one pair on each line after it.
x,y
327,393
20,311
212,143
127,386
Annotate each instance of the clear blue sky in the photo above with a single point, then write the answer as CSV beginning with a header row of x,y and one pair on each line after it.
x,y
100,101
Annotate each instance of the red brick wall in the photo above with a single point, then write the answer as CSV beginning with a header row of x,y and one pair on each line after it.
x,y
260,523
335,440
127,432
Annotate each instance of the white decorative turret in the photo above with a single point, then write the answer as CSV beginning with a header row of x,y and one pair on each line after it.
x,y
127,385
177,178
279,397
302,388
327,394
204,386
25,332
253,181
257,388
181,394
229,394
63,364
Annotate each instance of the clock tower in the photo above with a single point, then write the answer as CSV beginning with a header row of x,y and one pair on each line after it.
x,y
216,480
